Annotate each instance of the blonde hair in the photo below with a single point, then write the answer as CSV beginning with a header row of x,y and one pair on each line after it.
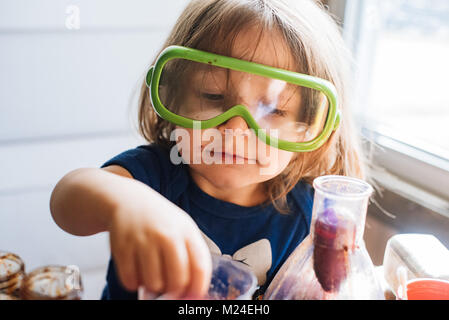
x,y
316,43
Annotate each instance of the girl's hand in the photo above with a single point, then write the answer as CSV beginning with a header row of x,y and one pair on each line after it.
x,y
157,245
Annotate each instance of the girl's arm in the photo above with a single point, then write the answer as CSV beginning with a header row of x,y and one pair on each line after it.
x,y
83,201
153,242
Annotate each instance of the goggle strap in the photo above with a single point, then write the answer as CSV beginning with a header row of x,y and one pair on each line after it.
x,y
149,76
337,120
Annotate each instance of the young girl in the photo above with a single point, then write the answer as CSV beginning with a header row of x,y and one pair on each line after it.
x,y
168,204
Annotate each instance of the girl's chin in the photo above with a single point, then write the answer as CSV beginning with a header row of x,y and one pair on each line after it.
x,y
231,176
228,169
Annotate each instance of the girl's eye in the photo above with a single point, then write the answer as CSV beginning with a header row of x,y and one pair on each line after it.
x,y
279,112
213,97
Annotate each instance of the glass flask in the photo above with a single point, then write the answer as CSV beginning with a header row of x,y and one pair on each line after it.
x,y
331,263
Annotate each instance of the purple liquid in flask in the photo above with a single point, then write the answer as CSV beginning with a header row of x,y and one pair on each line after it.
x,y
332,245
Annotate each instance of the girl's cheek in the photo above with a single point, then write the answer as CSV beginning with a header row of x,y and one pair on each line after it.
x,y
284,159
274,162
279,156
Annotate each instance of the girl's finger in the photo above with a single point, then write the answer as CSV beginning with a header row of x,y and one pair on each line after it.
x,y
150,268
125,263
176,266
200,267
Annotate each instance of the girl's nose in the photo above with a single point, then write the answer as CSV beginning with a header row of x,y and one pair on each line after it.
x,y
234,123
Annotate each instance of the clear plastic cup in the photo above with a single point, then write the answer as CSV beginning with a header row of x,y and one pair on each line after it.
x,y
349,196
231,280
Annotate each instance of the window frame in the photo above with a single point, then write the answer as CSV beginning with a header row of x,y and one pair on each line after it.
x,y
401,164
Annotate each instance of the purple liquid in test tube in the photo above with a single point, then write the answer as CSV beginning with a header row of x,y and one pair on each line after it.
x,y
330,257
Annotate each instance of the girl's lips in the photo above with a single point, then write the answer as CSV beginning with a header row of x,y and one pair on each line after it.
x,y
225,155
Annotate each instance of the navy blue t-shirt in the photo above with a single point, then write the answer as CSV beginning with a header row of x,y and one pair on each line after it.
x,y
259,235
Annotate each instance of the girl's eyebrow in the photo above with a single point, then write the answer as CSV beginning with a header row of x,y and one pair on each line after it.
x,y
206,66
206,70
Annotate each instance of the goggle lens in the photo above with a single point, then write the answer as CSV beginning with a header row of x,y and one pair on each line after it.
x,y
200,91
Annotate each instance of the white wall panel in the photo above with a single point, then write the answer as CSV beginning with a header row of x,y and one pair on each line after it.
x,y
27,167
39,15
56,81
64,104
54,85
27,228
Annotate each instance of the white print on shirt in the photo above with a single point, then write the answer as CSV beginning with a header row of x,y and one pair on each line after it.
x,y
256,255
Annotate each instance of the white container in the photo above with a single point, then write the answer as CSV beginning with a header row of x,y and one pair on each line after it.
x,y
412,256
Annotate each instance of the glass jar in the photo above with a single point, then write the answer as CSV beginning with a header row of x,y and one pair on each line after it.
x,y
52,283
12,271
332,261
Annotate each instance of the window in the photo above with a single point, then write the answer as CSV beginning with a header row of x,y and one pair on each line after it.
x,y
401,48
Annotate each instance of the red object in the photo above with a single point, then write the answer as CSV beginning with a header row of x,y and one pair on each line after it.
x,y
428,289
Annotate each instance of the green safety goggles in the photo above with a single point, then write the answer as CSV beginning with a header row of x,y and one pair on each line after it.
x,y
288,110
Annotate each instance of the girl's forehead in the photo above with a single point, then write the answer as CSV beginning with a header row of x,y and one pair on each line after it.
x,y
264,47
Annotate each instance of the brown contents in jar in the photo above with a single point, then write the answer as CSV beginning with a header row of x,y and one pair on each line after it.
x,y
12,271
51,283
